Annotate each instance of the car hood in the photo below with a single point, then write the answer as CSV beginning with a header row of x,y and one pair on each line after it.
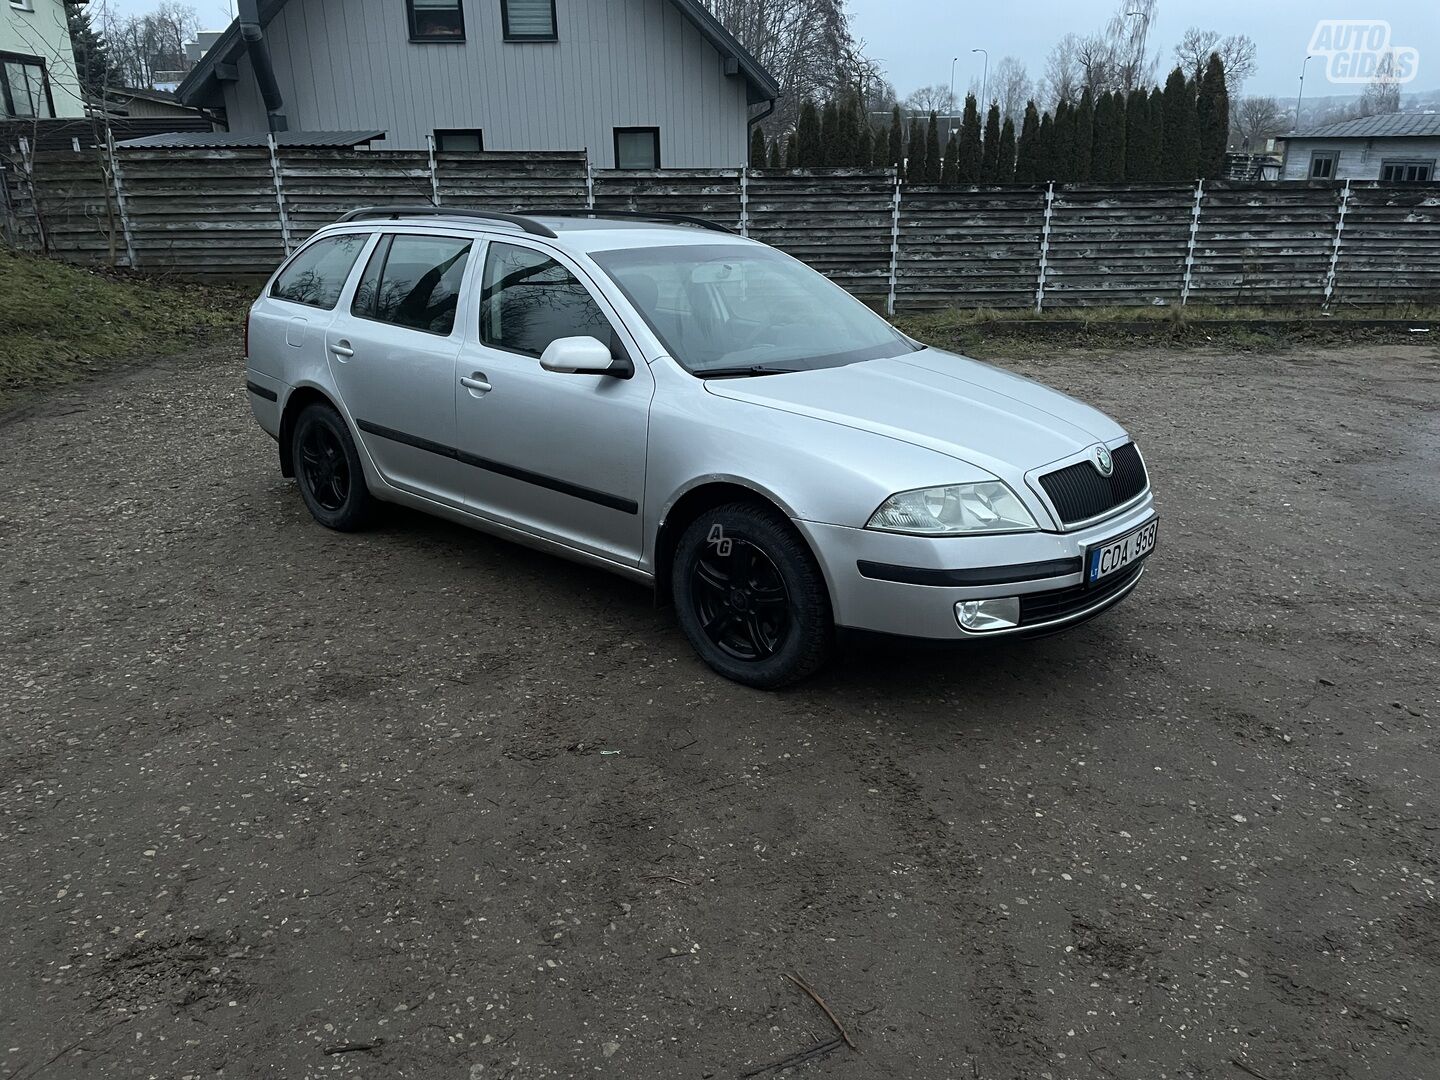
x,y
982,415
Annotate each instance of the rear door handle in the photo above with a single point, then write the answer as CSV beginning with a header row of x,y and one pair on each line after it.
x,y
476,382
342,348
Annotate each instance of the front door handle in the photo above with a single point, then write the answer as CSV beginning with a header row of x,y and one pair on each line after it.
x,y
342,348
476,382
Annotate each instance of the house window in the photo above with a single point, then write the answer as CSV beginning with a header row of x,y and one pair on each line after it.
x,y
459,139
1322,165
22,5
24,89
1407,172
637,148
436,20
528,20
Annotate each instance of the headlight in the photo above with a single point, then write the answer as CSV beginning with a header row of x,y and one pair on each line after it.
x,y
959,508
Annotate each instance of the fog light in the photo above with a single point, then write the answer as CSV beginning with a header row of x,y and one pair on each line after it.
x,y
998,613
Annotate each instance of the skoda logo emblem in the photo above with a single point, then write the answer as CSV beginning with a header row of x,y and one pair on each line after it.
x,y
1104,464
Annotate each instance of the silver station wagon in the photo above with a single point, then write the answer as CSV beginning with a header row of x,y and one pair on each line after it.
x,y
696,411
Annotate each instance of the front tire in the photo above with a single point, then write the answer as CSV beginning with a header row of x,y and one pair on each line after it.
x,y
750,598
328,469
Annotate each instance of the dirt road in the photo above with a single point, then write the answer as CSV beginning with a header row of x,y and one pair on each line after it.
x,y
418,803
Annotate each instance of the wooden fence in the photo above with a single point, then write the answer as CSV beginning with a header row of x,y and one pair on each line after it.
x,y
238,212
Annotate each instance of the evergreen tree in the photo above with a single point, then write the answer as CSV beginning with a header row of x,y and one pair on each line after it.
x,y
1084,138
915,154
950,172
1027,152
1005,167
990,150
1045,149
842,150
1137,136
880,149
810,152
757,148
1062,144
829,133
1155,137
896,152
1109,157
1212,114
933,162
92,62
864,134
967,165
792,152
1180,137
775,162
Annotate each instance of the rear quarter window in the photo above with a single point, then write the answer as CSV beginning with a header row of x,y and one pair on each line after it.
x,y
317,276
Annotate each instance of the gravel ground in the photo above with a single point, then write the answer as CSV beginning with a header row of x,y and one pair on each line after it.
x,y
418,803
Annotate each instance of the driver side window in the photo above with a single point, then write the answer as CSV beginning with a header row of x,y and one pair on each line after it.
x,y
530,300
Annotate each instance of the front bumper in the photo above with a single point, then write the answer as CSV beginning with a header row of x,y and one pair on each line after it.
x,y
909,585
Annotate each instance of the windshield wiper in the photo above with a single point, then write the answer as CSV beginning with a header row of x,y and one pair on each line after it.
x,y
743,371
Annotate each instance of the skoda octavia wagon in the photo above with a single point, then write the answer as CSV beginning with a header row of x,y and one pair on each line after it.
x,y
696,411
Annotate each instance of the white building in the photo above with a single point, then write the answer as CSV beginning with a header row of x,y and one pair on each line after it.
x,y
38,61
1395,148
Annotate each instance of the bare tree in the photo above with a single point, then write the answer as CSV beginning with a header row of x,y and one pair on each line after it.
x,y
1012,88
141,45
1064,75
1255,119
806,44
1237,53
928,99
1382,95
1128,31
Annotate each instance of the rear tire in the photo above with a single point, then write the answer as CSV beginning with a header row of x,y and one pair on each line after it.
x,y
750,597
328,469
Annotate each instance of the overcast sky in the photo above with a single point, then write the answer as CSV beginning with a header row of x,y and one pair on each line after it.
x,y
916,39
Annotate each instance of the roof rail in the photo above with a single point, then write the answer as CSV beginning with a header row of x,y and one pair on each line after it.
x,y
639,215
525,224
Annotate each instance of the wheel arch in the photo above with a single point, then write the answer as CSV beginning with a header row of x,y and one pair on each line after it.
x,y
298,400
696,500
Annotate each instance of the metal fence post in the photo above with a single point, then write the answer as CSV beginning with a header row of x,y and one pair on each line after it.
x,y
434,174
1045,246
119,181
1335,247
279,191
744,201
589,183
1190,245
894,247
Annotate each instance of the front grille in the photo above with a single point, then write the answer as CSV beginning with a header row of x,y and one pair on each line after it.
x,y
1078,492
1044,607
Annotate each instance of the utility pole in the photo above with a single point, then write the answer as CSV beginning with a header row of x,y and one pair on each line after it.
x,y
984,86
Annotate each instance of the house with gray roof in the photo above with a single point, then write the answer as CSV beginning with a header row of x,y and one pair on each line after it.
x,y
640,84
1395,148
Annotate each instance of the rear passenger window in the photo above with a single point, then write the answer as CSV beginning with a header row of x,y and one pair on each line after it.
x,y
318,274
414,282
529,300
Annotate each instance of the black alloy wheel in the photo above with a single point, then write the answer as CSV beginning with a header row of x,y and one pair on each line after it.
x,y
750,597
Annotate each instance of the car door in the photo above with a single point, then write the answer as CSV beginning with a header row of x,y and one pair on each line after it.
x,y
392,354
560,455
287,327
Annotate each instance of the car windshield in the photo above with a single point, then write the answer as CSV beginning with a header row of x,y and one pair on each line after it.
x,y
732,309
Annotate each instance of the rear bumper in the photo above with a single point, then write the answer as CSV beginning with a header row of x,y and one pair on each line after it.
x,y
909,586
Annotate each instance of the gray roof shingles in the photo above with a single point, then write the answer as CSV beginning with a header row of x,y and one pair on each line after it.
x,y
236,140
1389,126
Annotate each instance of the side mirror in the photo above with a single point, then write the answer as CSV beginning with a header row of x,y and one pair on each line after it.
x,y
583,356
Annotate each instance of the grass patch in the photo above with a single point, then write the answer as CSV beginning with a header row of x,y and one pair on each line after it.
x,y
59,323
1022,332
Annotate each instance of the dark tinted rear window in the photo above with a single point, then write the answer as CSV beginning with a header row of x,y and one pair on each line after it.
x,y
414,281
318,274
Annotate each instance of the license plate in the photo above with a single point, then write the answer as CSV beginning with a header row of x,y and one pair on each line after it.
x,y
1112,556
